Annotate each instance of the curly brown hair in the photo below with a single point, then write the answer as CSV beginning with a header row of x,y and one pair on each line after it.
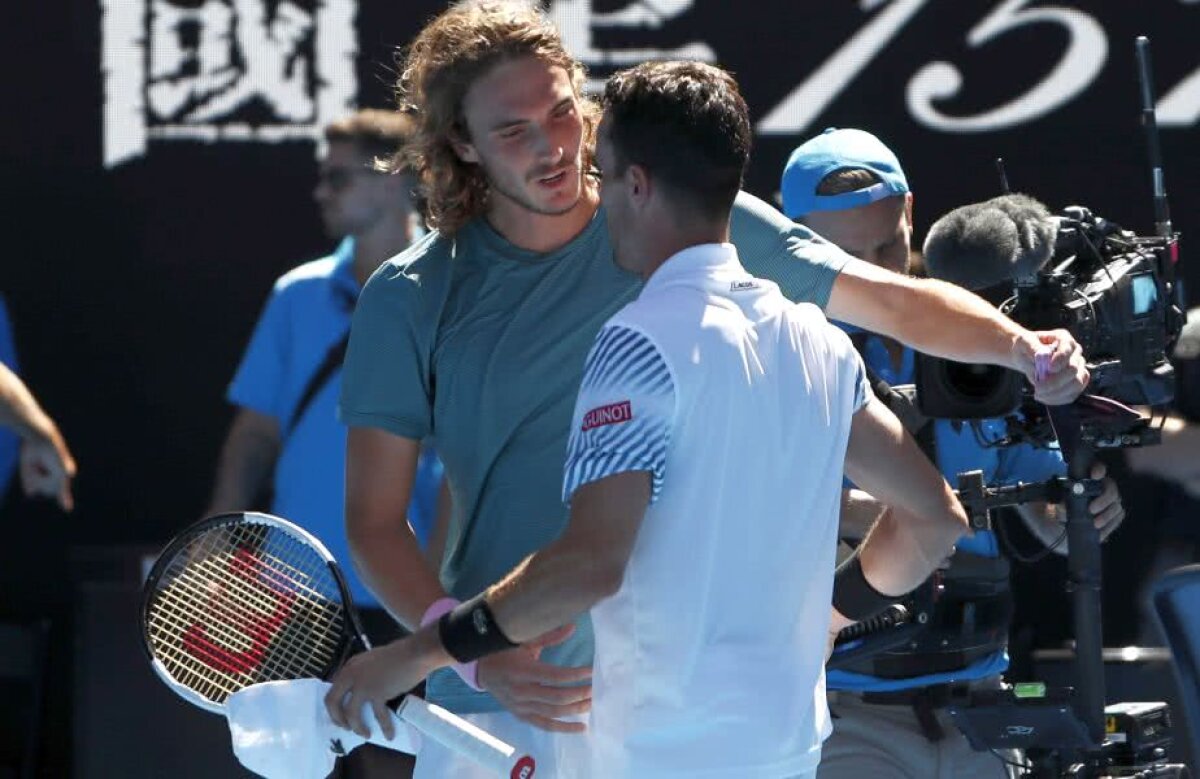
x,y
441,64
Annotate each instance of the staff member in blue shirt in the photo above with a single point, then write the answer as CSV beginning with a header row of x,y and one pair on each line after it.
x,y
286,433
849,187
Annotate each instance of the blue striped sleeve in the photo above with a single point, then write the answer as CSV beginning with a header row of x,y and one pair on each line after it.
x,y
624,412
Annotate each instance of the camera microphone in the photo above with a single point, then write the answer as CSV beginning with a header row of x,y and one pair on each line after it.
x,y
998,241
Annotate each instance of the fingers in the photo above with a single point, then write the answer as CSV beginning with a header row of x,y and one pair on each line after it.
x,y
46,471
1107,498
559,697
1062,347
516,676
551,637
65,500
1106,507
1058,371
383,715
553,674
552,725
345,705
354,707
334,699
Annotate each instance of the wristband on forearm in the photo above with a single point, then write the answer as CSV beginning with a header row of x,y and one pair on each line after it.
x,y
470,632
853,595
468,672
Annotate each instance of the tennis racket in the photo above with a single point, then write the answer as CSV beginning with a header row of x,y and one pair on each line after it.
x,y
243,598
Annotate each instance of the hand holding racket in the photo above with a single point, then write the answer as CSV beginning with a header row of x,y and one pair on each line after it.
x,y
245,598
370,679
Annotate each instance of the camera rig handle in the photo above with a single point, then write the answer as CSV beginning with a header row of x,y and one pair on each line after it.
x,y
979,499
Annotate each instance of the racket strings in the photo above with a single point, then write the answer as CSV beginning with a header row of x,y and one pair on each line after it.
x,y
244,604
286,657
239,616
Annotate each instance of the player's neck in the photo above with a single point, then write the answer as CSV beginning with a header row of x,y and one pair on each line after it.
x,y
384,240
672,237
542,233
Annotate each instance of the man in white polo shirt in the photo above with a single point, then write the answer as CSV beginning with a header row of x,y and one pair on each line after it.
x,y
704,475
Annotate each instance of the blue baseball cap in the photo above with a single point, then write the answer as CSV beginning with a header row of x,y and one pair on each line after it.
x,y
832,150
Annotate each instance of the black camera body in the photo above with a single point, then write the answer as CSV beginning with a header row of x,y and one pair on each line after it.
x,y
1114,291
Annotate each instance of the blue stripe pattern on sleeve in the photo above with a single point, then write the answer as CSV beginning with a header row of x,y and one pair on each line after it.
x,y
624,412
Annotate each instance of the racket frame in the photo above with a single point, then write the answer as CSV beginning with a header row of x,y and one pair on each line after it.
x,y
354,638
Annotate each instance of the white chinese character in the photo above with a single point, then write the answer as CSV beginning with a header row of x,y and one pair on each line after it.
x,y
578,23
175,71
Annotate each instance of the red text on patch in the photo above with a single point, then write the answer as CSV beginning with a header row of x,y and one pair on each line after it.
x,y
612,414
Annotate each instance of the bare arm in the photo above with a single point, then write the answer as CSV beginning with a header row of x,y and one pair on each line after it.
x,y
544,592
380,470
860,512
586,563
1176,459
435,549
247,458
948,321
925,519
46,464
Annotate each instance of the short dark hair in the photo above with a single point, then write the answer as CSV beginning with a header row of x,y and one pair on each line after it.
x,y
844,180
686,124
377,133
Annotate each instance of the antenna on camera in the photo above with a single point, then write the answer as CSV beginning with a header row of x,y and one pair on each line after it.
x,y
1004,188
1162,214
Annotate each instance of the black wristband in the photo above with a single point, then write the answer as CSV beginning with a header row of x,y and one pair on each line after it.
x,y
853,595
469,631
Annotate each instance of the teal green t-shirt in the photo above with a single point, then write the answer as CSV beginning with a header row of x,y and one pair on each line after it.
x,y
481,345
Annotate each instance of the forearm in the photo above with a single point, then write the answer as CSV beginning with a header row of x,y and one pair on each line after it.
x,y
19,410
958,325
1176,458
247,459
929,315
901,552
859,513
380,471
886,462
925,517
435,548
390,563
549,589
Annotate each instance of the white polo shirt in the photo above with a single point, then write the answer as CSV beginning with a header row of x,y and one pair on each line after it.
x,y
710,658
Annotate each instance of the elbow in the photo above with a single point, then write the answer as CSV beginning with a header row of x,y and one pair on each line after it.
x,y
601,576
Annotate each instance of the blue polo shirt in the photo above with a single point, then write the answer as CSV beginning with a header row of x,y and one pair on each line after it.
x,y
307,314
10,443
960,446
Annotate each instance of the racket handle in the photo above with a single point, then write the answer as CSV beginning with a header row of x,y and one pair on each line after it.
x,y
455,733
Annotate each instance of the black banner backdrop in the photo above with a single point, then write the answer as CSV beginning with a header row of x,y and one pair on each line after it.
x,y
159,158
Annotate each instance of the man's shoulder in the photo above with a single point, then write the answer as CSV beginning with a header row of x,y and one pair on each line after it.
x,y
811,315
424,265
308,274
645,318
810,322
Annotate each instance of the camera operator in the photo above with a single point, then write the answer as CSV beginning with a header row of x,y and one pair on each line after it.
x,y
848,187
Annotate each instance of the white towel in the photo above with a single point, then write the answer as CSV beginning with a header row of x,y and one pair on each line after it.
x,y
281,730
